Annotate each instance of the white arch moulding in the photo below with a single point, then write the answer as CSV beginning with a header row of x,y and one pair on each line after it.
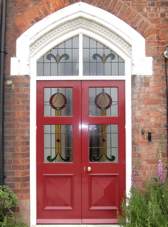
x,y
76,19
65,19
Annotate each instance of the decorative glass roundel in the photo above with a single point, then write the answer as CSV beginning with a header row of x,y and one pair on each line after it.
x,y
103,101
58,101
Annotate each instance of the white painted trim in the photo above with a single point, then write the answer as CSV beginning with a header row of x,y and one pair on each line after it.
x,y
81,77
128,129
33,172
20,65
75,25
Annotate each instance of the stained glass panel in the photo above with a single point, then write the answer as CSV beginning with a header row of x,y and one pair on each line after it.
x,y
100,60
57,101
57,143
62,60
103,101
103,143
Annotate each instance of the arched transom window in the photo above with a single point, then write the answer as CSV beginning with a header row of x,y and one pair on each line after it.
x,y
70,58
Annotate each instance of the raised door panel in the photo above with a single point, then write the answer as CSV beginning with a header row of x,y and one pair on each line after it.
x,y
55,196
103,191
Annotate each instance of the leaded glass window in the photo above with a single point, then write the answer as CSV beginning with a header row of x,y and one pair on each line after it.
x,y
103,143
100,60
103,102
96,59
57,143
62,60
58,101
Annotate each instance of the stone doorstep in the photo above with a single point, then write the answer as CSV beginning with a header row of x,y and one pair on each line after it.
x,y
70,225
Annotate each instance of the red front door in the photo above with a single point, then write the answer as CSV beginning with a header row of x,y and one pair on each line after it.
x,y
80,151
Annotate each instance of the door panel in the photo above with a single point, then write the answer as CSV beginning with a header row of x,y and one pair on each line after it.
x,y
80,151
58,200
106,188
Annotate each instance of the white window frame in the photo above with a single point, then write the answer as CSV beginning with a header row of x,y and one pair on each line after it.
x,y
43,35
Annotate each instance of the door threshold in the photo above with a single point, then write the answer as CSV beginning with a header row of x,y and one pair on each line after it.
x,y
78,225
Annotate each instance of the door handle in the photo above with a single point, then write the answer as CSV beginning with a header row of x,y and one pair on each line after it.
x,y
89,168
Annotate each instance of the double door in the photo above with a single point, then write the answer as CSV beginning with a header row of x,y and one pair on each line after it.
x,y
80,151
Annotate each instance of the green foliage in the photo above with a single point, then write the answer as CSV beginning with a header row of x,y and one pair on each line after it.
x,y
147,208
8,205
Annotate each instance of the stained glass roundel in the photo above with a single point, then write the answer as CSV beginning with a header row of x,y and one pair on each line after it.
x,y
58,101
103,101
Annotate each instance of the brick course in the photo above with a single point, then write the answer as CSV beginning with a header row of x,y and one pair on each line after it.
x,y
148,17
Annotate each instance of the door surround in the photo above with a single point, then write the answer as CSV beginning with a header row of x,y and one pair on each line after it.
x,y
89,20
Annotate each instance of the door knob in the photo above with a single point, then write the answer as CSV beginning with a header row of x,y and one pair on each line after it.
x,y
89,168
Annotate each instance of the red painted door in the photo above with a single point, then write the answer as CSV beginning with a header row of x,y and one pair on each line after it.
x,y
58,152
80,151
103,150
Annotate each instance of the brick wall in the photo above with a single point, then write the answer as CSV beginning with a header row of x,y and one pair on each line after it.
x,y
148,17
17,138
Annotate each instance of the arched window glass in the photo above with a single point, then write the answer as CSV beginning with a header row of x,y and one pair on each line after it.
x,y
65,59
100,60
62,60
